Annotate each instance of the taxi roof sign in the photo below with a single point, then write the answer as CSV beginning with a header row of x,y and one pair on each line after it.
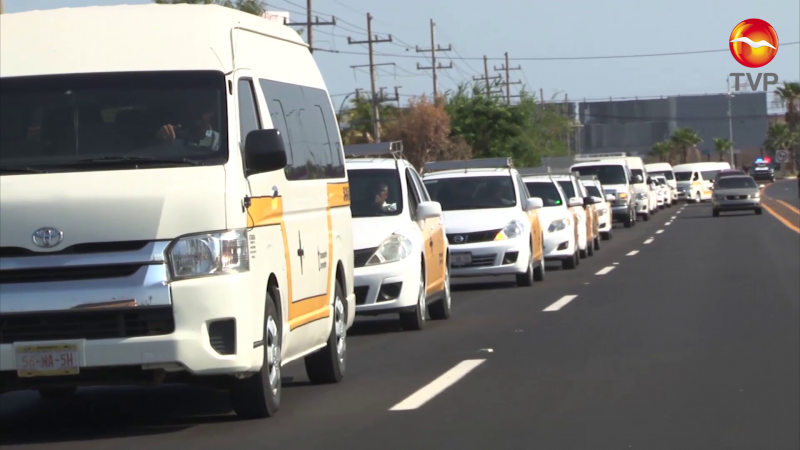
x,y
482,163
392,149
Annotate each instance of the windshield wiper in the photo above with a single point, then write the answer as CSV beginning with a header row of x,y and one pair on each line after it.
x,y
20,170
134,159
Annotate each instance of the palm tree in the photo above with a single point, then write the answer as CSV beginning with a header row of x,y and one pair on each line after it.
x,y
789,96
661,150
684,139
781,137
722,146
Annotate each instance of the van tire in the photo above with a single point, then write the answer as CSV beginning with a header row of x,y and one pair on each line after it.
x,y
590,248
255,397
628,222
328,364
539,272
645,217
715,212
607,235
758,211
597,243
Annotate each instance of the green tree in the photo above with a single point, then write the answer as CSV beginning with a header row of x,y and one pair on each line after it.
x,y
492,128
356,122
661,150
722,146
781,137
684,139
789,96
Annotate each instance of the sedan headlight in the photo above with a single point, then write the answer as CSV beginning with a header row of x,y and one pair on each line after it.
x,y
394,248
512,230
208,254
755,195
641,196
558,225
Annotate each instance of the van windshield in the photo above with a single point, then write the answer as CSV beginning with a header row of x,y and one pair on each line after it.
x,y
472,192
709,174
683,176
606,174
375,193
112,120
666,174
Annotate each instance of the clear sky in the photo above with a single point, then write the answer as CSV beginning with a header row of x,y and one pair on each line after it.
x,y
527,29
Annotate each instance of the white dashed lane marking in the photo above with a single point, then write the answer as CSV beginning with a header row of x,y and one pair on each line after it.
x,y
437,386
649,241
659,231
632,253
605,270
562,302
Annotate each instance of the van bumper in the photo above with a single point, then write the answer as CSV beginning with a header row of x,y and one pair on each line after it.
x,y
206,329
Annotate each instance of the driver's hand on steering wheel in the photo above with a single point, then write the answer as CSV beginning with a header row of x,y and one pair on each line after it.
x,y
167,132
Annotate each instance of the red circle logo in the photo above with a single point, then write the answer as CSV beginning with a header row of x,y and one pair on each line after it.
x,y
754,43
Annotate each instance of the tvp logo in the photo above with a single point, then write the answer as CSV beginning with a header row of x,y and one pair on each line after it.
x,y
753,44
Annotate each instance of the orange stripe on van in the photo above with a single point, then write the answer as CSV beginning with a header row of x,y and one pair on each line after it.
x,y
338,195
264,211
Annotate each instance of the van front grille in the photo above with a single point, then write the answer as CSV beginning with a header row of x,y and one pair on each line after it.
x,y
69,273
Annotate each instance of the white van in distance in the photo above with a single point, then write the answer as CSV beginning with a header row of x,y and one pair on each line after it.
x,y
174,204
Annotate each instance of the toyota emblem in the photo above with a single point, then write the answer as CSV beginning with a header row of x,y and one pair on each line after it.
x,y
47,237
458,239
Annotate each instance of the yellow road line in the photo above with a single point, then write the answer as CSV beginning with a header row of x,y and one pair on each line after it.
x,y
783,220
795,210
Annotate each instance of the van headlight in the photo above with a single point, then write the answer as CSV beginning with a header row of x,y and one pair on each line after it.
x,y
755,195
512,230
394,248
200,255
558,225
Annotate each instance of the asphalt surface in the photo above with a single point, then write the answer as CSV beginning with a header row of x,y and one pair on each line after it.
x,y
691,343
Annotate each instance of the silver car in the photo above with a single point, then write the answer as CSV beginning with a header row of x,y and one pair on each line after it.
x,y
736,193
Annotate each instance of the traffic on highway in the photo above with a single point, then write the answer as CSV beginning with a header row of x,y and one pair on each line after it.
x,y
193,255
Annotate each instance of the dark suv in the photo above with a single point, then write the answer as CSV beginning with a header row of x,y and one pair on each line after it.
x,y
762,171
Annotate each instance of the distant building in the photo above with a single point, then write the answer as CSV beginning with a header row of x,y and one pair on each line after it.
x,y
635,125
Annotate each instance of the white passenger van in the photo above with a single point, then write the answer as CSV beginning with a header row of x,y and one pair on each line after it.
x,y
646,197
401,253
174,204
696,179
617,179
665,169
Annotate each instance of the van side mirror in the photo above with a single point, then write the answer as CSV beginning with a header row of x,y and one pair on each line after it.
x,y
575,202
429,210
264,151
588,201
533,203
611,198
637,178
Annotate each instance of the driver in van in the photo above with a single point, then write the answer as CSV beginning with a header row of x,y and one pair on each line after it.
x,y
381,195
198,129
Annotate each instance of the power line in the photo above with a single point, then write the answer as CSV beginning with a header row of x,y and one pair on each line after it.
x,y
566,58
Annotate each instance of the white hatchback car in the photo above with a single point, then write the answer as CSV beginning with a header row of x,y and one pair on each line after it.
x,y
492,226
559,222
664,191
401,254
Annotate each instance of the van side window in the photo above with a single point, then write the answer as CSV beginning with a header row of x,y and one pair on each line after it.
x,y
311,139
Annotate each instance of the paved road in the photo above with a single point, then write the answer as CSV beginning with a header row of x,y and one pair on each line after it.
x,y
785,191
691,343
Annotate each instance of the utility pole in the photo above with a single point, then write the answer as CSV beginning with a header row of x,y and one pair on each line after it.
x,y
730,124
433,68
371,41
309,24
397,95
486,77
508,82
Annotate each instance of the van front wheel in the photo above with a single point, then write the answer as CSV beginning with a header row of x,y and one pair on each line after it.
x,y
327,365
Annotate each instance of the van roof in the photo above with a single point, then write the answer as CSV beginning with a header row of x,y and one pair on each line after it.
x,y
129,38
658,166
699,165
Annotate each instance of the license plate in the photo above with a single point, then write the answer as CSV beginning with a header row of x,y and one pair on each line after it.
x,y
461,259
762,168
47,360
